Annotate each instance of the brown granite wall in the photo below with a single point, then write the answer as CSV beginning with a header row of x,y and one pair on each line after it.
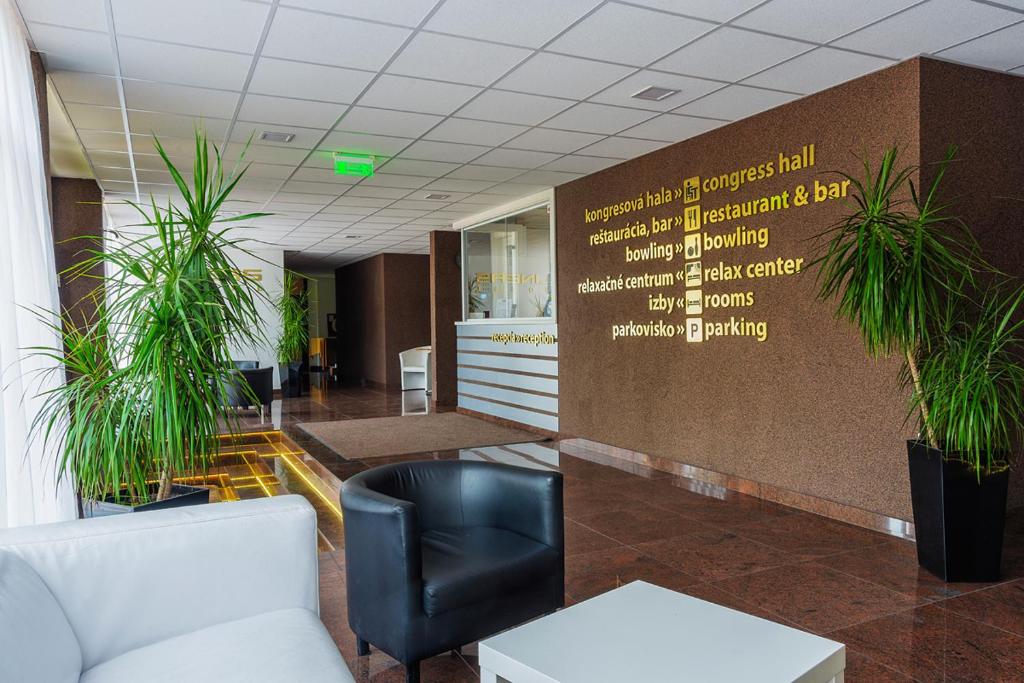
x,y
981,112
445,310
383,307
77,213
803,410
406,308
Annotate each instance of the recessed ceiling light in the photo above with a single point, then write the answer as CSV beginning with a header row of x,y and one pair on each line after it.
x,y
273,136
654,93
435,195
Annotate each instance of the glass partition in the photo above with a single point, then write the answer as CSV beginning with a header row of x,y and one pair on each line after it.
x,y
507,267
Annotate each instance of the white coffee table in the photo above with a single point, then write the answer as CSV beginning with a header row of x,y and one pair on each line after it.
x,y
641,633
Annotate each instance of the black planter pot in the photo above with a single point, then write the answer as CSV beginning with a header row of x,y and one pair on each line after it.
x,y
291,379
958,521
181,495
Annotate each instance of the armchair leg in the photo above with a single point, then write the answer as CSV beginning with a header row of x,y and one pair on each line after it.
x,y
412,673
362,647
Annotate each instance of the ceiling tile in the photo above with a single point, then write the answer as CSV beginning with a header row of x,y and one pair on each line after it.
x,y
430,169
598,118
735,102
180,99
473,132
414,94
307,81
284,112
548,140
174,125
91,117
324,39
604,35
73,50
580,164
511,107
715,10
402,12
85,88
377,145
274,171
377,192
493,173
929,27
84,14
447,58
535,21
442,151
621,148
387,122
817,70
561,76
193,22
547,177
514,158
154,61
804,19
266,153
409,182
622,92
731,54
118,160
459,185
671,128
314,187
1003,49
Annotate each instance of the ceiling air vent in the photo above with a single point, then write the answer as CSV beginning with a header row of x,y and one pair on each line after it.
x,y
272,136
353,237
655,94
437,195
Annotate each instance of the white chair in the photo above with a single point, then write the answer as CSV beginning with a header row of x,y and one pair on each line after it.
x,y
226,592
415,364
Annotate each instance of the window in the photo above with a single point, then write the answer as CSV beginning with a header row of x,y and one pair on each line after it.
x,y
508,267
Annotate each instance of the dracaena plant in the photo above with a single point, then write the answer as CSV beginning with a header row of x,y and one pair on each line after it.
x,y
146,375
906,273
293,308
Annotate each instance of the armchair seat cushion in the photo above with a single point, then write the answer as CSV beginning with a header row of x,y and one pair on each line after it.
x,y
469,565
282,645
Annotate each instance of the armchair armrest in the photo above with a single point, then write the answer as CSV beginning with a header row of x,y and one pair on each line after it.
x,y
382,560
526,501
129,580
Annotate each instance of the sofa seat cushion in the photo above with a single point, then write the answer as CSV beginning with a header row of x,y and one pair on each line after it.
x,y
469,565
284,645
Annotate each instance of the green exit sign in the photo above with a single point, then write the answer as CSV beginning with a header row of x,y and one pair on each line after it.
x,y
353,164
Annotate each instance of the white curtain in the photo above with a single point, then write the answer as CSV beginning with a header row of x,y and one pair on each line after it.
x,y
28,282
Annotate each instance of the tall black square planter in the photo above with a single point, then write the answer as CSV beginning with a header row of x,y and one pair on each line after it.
x,y
958,520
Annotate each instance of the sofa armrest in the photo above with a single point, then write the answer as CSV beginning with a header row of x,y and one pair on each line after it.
x,y
383,570
519,499
129,580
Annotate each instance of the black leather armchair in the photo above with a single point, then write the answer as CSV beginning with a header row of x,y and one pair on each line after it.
x,y
441,553
250,383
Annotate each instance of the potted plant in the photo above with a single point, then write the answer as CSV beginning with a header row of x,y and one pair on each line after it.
x,y
140,413
475,300
293,308
908,276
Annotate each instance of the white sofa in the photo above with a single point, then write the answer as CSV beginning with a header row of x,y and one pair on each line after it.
x,y
415,364
212,593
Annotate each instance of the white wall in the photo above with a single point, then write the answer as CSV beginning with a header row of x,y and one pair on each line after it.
x,y
270,263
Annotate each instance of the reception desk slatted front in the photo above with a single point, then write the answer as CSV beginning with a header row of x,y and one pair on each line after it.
x,y
510,371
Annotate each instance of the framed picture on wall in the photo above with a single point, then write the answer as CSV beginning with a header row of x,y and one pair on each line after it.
x,y
332,325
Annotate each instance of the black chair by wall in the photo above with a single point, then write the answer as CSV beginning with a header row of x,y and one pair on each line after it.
x,y
259,380
441,553
246,364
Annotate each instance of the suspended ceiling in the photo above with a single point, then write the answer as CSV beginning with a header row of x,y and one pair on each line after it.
x,y
479,100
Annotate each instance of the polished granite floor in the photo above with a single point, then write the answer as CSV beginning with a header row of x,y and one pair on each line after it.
x,y
625,522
